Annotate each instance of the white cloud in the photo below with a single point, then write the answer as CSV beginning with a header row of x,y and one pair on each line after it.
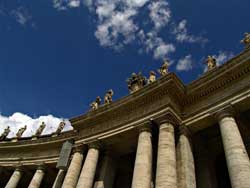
x,y
160,13
163,50
115,26
74,3
185,64
65,4
21,15
18,120
119,23
223,56
182,35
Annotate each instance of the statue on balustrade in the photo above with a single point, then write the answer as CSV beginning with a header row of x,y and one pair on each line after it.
x,y
211,62
108,96
152,77
39,131
95,105
164,68
246,41
21,131
136,82
5,133
60,127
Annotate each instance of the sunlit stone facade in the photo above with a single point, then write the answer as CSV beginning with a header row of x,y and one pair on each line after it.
x,y
164,135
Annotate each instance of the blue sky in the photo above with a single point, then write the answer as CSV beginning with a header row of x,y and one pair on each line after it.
x,y
56,56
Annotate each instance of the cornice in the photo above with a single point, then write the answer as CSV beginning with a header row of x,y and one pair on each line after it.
x,y
218,79
46,139
165,91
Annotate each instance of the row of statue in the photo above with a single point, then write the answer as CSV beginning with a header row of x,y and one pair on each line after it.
x,y
135,82
38,132
107,100
138,81
246,41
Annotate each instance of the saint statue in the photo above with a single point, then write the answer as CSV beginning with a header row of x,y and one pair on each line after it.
x,y
40,129
108,96
60,127
136,82
152,77
21,131
95,105
164,68
246,41
5,133
211,62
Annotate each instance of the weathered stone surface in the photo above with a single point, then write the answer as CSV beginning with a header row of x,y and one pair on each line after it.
x,y
59,179
15,178
73,172
236,155
87,176
37,178
142,175
185,162
166,176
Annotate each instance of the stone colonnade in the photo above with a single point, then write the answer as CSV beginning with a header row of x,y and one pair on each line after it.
x,y
174,167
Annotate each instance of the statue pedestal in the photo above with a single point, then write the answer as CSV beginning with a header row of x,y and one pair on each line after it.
x,y
14,139
54,135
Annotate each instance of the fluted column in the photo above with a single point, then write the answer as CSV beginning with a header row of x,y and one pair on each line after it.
x,y
185,160
74,169
37,178
236,156
142,175
59,179
15,178
166,159
87,176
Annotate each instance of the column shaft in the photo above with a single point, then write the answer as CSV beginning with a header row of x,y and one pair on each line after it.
x,y
59,179
107,173
185,163
73,172
142,175
37,178
87,176
236,156
14,180
166,160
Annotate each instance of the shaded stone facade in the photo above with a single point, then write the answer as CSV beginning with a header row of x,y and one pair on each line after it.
x,y
163,135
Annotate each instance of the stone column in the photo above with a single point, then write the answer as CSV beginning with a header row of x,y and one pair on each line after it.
x,y
37,178
185,160
59,179
74,169
166,159
204,165
15,178
236,156
87,176
107,172
142,175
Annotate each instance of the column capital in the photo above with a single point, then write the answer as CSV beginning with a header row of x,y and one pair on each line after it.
x,y
169,118
20,168
147,126
95,145
184,130
227,111
41,167
79,148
